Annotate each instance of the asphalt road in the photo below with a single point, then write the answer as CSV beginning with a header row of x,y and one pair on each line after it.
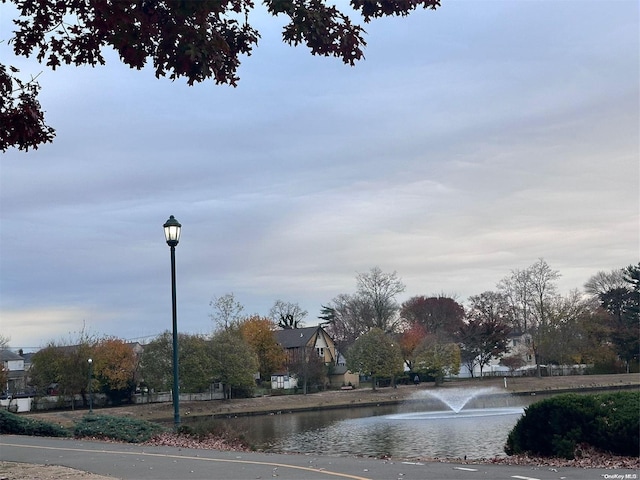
x,y
129,461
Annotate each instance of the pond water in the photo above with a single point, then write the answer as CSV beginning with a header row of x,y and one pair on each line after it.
x,y
422,428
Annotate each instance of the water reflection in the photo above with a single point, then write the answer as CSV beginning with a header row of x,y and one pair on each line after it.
x,y
407,431
479,434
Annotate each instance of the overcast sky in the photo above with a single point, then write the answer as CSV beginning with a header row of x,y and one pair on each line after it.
x,y
471,141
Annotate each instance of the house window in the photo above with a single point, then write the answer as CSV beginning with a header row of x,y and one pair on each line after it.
x,y
320,351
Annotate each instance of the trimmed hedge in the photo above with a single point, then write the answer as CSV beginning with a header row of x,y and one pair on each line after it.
x,y
101,426
117,428
11,423
555,426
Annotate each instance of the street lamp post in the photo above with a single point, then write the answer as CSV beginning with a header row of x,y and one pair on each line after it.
x,y
172,235
90,385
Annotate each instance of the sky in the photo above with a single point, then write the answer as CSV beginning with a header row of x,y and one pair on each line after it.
x,y
470,142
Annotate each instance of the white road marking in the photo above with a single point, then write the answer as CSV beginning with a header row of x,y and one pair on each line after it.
x,y
464,469
524,478
186,457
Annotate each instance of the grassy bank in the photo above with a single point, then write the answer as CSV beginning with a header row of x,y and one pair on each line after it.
x,y
163,412
131,420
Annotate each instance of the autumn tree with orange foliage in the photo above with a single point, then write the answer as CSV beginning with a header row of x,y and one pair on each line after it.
x,y
409,341
258,332
114,366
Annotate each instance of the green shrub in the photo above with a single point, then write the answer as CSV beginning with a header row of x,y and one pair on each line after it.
x,y
10,423
116,428
554,427
618,428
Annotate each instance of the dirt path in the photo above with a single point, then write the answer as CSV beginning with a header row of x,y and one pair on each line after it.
x,y
27,471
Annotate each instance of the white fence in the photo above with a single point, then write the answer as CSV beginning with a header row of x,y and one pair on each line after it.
x,y
17,405
50,402
160,397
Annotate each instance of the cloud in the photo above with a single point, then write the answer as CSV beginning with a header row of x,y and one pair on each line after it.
x,y
33,328
471,141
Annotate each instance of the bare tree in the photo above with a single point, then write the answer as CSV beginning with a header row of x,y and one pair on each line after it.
x,y
543,288
287,315
517,290
603,282
310,368
530,294
347,317
560,336
227,311
379,290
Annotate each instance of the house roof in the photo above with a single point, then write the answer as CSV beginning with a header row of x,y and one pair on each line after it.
x,y
8,356
27,357
295,337
340,370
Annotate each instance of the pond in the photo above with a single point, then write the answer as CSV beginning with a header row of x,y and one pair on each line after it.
x,y
421,428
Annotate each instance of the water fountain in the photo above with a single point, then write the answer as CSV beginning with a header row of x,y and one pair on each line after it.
x,y
443,422
457,398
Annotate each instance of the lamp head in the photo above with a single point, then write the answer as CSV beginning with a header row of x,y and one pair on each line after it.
x,y
172,231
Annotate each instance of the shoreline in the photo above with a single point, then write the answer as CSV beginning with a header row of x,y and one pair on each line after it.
x,y
336,399
355,398
392,402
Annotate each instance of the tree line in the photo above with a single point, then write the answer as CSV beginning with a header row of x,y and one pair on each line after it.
x,y
435,335
240,353
430,335
64,368
231,356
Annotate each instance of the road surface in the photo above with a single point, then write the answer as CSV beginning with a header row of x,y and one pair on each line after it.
x,y
130,461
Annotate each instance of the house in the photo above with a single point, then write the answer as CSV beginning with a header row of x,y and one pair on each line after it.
x,y
27,359
299,343
340,376
13,365
519,347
